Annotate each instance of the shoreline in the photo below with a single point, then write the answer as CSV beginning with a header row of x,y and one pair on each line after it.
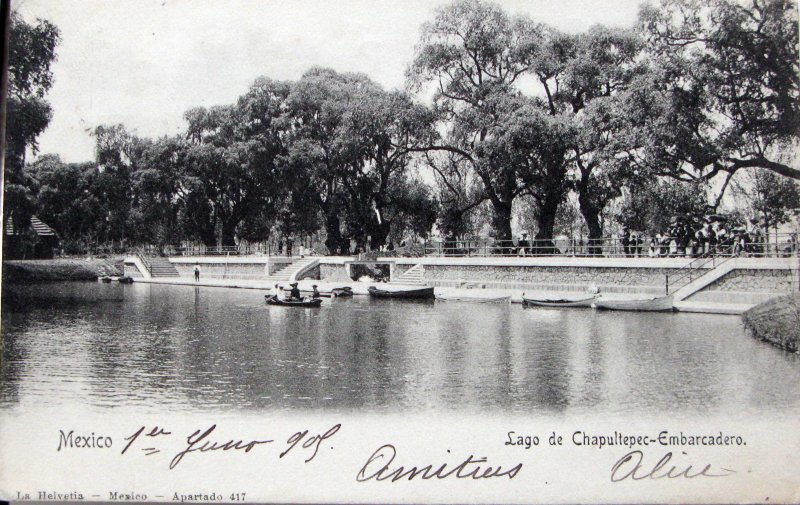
x,y
776,321
67,269
90,269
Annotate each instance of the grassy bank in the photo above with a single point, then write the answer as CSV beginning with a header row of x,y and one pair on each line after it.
x,y
21,271
777,321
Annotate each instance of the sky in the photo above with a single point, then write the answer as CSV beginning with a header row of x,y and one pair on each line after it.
x,y
143,63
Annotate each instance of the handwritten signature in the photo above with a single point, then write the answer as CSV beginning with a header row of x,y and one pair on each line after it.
x,y
631,466
379,467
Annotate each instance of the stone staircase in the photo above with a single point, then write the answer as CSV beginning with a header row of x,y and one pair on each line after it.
x,y
292,270
704,280
413,276
161,267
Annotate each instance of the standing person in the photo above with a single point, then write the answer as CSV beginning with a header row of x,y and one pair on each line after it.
x,y
197,272
639,238
524,245
625,240
711,237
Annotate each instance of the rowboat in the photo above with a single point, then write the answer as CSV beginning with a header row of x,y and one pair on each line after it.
x,y
106,279
401,293
305,302
345,291
125,280
660,304
558,302
476,299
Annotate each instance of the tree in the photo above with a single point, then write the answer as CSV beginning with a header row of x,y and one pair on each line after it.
x,y
66,200
118,154
31,52
458,192
384,129
727,88
768,197
652,204
160,192
232,162
598,72
317,154
473,54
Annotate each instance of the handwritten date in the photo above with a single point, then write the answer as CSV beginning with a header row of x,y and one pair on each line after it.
x,y
206,440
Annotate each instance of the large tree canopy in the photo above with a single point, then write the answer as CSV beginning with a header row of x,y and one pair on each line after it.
x,y
523,118
727,88
473,53
31,52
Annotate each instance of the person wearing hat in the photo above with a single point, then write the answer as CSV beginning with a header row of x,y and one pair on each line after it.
x,y
524,245
294,294
314,292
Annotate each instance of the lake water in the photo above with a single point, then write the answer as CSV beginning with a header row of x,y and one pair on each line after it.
x,y
209,349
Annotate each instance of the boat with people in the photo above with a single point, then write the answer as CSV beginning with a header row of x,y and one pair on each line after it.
x,y
474,298
658,304
415,293
558,302
304,302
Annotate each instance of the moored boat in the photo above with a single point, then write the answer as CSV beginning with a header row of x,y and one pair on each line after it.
x,y
558,302
419,293
125,280
660,304
106,279
344,291
305,302
475,299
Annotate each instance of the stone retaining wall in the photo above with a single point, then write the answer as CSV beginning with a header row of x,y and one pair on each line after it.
x,y
328,270
567,275
131,270
754,280
223,271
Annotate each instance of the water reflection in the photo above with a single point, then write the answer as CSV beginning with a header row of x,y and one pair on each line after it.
x,y
204,348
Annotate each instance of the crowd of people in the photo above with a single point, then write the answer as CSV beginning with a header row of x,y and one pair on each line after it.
x,y
687,239
683,238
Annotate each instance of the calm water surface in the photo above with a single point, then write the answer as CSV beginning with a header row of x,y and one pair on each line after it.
x,y
203,349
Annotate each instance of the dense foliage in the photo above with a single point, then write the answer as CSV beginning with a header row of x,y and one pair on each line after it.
x,y
524,119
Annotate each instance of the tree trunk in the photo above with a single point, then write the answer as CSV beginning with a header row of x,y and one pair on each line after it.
x,y
229,233
501,223
378,234
333,240
591,215
543,242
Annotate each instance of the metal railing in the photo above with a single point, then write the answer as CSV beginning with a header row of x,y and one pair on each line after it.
x,y
784,245
696,268
143,258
